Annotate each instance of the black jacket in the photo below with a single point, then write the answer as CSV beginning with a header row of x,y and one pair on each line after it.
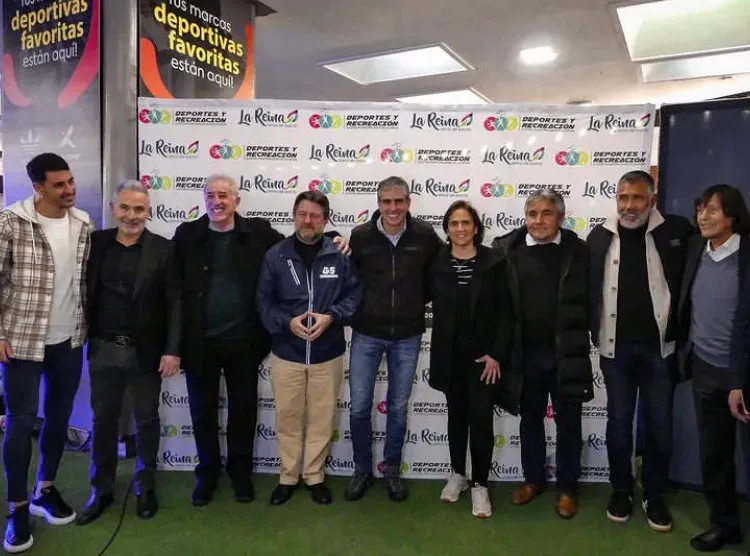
x,y
254,236
671,239
695,250
156,296
394,278
575,382
739,365
491,314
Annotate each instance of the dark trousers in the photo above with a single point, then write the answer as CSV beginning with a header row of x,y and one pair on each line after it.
x,y
540,384
61,372
639,370
240,365
717,434
471,405
112,370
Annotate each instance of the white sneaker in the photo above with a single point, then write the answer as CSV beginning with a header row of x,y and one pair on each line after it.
x,y
480,502
454,487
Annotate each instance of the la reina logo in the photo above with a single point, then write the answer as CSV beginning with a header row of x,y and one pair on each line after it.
x,y
268,118
396,154
442,122
225,151
349,218
325,121
438,188
501,122
336,153
165,213
156,182
169,149
326,185
572,157
506,155
266,184
614,123
497,189
155,116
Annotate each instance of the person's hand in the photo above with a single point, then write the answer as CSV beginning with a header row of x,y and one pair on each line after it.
x,y
737,405
6,352
322,322
169,366
343,245
298,328
491,372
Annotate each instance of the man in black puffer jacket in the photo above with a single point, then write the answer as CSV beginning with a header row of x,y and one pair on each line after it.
x,y
548,276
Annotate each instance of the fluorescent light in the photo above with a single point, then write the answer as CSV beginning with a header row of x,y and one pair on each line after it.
x,y
463,96
716,65
538,55
403,64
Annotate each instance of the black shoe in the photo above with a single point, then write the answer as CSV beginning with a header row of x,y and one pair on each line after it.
x,y
244,493
94,508
714,540
397,490
52,507
146,504
358,485
620,506
320,494
203,493
18,533
281,494
657,515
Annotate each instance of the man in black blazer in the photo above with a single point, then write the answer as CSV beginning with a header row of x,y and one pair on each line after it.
x,y
133,314
712,289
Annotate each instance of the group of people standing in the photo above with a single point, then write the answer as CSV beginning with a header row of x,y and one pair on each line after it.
x,y
512,327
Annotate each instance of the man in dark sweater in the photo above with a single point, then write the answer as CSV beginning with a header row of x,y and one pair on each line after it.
x,y
548,275
715,269
636,262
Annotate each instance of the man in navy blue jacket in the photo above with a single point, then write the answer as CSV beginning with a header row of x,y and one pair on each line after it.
x,y
307,292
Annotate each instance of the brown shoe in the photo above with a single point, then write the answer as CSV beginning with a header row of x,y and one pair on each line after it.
x,y
525,494
566,506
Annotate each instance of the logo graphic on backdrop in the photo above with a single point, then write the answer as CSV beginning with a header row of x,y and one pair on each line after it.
x,y
361,187
508,122
271,152
496,188
574,223
397,154
267,184
443,156
169,149
166,213
373,121
506,155
326,185
349,219
605,188
575,157
225,151
572,157
273,217
269,118
616,123
325,121
193,117
442,121
157,182
336,153
438,188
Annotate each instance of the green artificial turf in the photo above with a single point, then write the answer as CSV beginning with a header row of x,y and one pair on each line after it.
x,y
421,525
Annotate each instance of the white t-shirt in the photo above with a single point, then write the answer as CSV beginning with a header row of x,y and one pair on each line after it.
x,y
62,316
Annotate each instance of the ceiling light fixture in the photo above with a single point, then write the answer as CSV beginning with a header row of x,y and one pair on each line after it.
x,y
538,55
436,59
462,96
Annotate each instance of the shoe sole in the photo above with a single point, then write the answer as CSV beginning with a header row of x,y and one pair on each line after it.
x,y
617,518
655,526
354,498
16,549
39,511
482,515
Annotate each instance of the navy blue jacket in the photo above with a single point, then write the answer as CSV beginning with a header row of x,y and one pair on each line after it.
x,y
286,289
739,355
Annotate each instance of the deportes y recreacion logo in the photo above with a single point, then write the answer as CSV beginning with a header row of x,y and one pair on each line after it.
x,y
325,121
326,185
156,182
572,157
154,116
496,188
225,151
501,123
397,154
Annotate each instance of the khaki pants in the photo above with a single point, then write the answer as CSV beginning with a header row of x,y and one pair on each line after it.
x,y
305,410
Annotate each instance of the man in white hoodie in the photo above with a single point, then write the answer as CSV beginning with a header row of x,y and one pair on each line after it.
x,y
44,245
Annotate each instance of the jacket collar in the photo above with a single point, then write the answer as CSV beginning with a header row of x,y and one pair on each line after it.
x,y
240,224
287,250
486,257
517,237
655,219
26,210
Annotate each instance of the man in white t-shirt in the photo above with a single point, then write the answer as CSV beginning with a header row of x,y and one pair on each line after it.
x,y
44,245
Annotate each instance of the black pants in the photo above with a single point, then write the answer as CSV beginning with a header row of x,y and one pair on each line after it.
x,y
112,369
540,384
717,433
240,365
471,405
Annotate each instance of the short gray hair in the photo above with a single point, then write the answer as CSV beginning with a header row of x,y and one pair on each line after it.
x,y
222,177
391,183
129,185
546,194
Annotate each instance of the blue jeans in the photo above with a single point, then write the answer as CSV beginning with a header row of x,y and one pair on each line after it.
x,y
61,371
366,354
636,370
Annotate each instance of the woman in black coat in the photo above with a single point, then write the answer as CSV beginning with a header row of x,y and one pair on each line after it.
x,y
472,320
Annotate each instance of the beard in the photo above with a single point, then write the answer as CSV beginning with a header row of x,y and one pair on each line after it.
x,y
638,222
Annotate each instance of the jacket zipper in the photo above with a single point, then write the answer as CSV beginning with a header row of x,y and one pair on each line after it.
x,y
310,295
293,271
393,291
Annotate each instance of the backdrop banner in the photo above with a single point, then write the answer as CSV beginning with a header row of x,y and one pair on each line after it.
x,y
493,156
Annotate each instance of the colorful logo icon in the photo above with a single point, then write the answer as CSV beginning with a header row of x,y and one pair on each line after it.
x,y
192,148
326,185
645,120
363,153
225,151
335,436
500,441
538,154
501,123
169,431
156,182
383,408
291,117
326,121
496,188
362,217
193,213
466,121
381,467
572,157
574,223
397,155
153,116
